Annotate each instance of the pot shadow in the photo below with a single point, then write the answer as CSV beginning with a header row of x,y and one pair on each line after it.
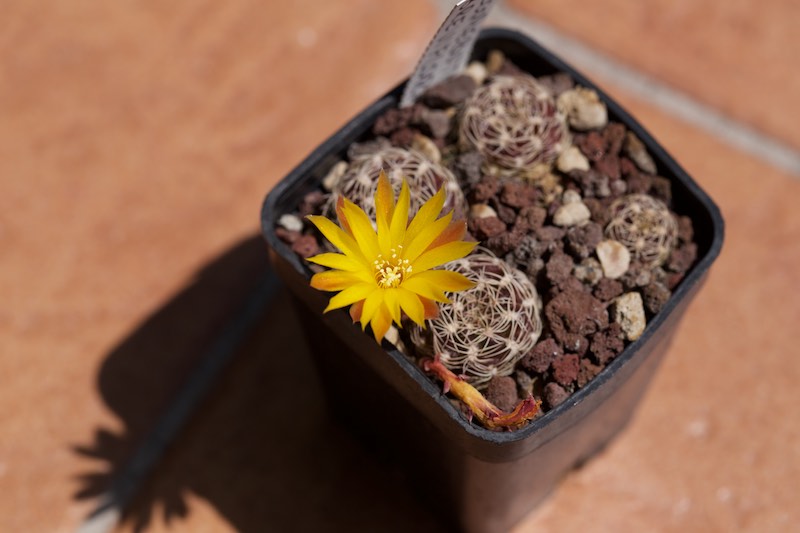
x,y
260,446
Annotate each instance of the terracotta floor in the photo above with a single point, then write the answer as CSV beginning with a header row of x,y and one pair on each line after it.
x,y
136,144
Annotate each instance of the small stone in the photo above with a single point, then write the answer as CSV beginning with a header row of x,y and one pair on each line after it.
x,y
574,311
467,167
305,246
589,271
587,372
291,222
481,211
334,174
557,83
506,214
312,203
578,344
403,137
486,188
368,148
395,118
636,277
517,194
628,312
524,383
635,149
477,71
287,236
531,218
570,197
607,289
502,392
607,344
682,257
505,242
572,159
592,145
609,166
571,214
583,108
655,297
685,229
565,369
614,137
450,92
599,210
541,356
661,188
487,227
554,394
494,61
559,268
438,123
426,147
614,257
581,241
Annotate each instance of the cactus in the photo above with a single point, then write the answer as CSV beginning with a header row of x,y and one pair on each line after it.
x,y
424,178
515,123
645,226
488,328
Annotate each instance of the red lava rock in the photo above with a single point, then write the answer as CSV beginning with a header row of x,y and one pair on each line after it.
x,y
527,249
394,119
577,344
587,372
516,194
582,240
559,268
541,356
551,237
531,218
591,144
639,183
502,392
554,394
505,242
565,369
606,345
450,92
575,312
607,289
608,166
305,246
487,227
636,277
627,167
591,183
598,210
506,214
682,257
486,188
618,187
356,150
614,137
287,236
403,137
655,296
673,279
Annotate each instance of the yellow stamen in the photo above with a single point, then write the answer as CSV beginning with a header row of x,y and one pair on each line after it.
x,y
389,273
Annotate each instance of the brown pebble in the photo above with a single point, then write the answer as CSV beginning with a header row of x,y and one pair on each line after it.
x,y
486,227
655,297
305,246
518,195
559,268
541,356
682,257
575,312
531,218
486,188
661,188
606,345
450,92
502,392
582,240
565,369
587,372
554,394
607,289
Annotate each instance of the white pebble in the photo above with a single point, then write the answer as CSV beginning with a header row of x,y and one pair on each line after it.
x,y
481,211
477,71
571,214
572,159
584,109
291,222
629,314
333,176
614,257
570,197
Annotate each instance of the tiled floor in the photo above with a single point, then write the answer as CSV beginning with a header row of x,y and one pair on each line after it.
x,y
136,145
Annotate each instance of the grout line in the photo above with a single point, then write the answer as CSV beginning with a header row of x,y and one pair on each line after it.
x,y
646,88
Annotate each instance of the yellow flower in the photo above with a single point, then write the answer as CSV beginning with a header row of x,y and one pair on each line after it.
x,y
381,273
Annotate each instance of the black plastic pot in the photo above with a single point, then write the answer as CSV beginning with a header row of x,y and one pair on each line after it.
x,y
482,481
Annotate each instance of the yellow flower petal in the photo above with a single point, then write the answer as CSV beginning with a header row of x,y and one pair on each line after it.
x,y
397,228
425,289
443,254
392,304
425,237
363,232
335,280
446,280
412,306
337,261
380,322
431,309
425,216
350,295
338,237
454,232
384,199
371,305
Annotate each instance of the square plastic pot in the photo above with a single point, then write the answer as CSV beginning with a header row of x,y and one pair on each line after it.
x,y
479,480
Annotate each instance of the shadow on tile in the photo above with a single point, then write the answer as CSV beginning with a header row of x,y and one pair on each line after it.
x,y
260,447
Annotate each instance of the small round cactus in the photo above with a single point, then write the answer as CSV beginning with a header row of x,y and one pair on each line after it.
x,y
515,123
487,329
424,178
644,226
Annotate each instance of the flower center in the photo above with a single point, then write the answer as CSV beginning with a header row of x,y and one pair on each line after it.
x,y
389,273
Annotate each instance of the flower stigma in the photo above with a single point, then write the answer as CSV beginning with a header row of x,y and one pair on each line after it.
x,y
389,273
